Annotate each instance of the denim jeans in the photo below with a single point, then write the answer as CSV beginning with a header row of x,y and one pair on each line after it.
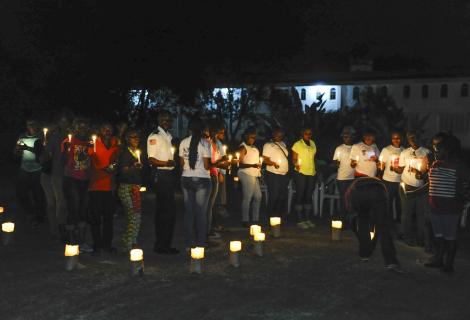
x,y
196,193
251,191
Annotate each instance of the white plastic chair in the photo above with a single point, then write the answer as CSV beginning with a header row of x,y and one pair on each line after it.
x,y
329,190
463,220
290,196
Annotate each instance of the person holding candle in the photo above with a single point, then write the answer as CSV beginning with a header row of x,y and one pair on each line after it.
x,y
102,185
389,158
367,203
412,166
249,173
52,179
129,176
364,156
195,161
161,160
76,181
341,159
275,155
303,157
30,195
448,190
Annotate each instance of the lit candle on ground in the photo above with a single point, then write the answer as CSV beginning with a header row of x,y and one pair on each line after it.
x,y
235,248
137,152
93,138
336,227
254,229
259,239
197,255
71,256
136,257
8,227
143,189
275,223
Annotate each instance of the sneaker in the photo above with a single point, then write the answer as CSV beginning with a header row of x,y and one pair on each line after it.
x,y
309,223
303,225
214,235
85,248
395,268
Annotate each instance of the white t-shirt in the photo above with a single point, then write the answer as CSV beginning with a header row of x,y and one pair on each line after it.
x,y
251,157
410,158
391,155
362,153
277,153
159,146
342,154
203,151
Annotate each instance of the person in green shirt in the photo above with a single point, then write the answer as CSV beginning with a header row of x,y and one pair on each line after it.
x,y
303,157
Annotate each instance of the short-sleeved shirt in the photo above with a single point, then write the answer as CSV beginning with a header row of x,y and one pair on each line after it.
x,y
100,179
78,161
342,154
362,153
278,153
29,160
159,146
203,151
391,157
306,153
410,158
251,157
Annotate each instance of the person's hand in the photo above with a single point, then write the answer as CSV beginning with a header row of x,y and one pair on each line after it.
x,y
170,163
297,167
353,163
138,165
256,165
373,158
276,165
392,168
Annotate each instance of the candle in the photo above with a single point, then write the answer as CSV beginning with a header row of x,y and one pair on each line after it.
x,y
93,138
136,255
230,158
173,152
261,160
237,157
1,209
336,224
254,229
224,148
336,227
45,133
197,253
275,223
235,246
71,250
70,137
8,227
260,236
143,189
372,235
235,179
137,152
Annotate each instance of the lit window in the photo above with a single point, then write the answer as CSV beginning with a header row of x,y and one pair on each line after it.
x,y
356,93
332,94
303,94
444,91
464,90
425,91
406,91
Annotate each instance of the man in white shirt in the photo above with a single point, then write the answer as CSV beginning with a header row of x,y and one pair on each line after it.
x,y
389,158
364,156
412,165
161,158
275,156
342,161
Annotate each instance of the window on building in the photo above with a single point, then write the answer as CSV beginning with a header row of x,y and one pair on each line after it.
x,y
444,91
464,90
332,94
425,91
406,92
303,94
356,93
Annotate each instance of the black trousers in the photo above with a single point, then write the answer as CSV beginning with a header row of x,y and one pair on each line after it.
x,y
393,194
30,194
369,203
102,207
277,187
165,208
76,197
304,186
343,185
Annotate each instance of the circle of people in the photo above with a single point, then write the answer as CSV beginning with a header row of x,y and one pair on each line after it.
x,y
80,172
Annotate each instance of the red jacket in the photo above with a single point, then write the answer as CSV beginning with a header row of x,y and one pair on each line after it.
x,y
100,179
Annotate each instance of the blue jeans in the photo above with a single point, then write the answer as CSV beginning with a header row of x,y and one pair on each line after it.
x,y
251,191
196,193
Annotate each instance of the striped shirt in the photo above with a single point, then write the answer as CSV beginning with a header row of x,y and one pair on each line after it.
x,y
442,181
